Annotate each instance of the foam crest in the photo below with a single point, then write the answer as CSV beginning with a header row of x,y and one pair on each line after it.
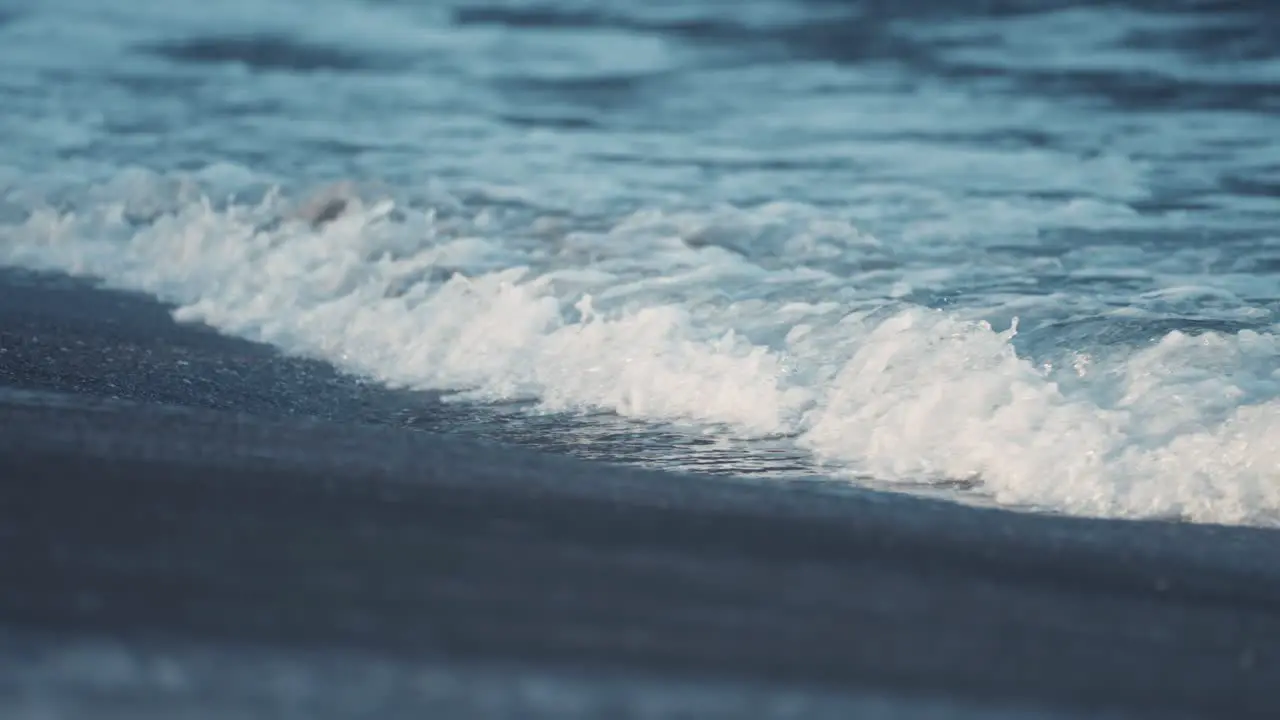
x,y
683,318
340,293
1179,429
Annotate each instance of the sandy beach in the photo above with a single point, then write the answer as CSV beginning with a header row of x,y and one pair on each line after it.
x,y
168,487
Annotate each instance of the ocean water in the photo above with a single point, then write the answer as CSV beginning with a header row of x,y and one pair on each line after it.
x,y
1022,253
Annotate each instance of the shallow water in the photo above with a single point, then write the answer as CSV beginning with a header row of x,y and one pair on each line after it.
x,y
1026,256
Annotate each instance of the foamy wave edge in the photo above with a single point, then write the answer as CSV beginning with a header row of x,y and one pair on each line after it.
x,y
1183,428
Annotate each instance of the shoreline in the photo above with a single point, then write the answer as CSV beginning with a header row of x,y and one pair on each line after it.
x,y
282,507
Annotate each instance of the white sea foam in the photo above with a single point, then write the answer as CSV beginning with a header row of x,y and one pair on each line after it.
x,y
694,318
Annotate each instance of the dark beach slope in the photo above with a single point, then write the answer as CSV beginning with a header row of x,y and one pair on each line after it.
x,y
163,484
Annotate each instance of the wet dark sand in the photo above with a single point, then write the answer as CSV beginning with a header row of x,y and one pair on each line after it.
x,y
163,484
